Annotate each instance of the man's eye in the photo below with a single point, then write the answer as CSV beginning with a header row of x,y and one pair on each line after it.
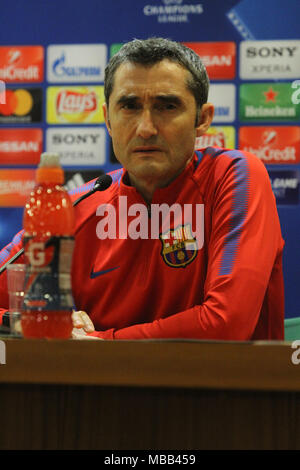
x,y
166,106
171,106
130,106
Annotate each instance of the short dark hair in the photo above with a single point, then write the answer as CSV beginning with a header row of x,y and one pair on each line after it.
x,y
153,50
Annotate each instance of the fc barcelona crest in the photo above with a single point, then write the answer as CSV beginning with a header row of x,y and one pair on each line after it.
x,y
179,247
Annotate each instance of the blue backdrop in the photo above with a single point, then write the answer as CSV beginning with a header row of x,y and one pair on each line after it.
x,y
64,22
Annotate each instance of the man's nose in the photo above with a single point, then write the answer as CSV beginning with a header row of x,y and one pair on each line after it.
x,y
146,127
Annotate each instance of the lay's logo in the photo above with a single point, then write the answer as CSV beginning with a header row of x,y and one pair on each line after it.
x,y
75,105
217,136
70,102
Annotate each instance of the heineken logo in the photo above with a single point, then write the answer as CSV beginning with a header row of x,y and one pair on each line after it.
x,y
267,102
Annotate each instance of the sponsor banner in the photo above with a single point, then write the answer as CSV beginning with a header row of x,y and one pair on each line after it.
x,y
22,64
268,102
223,98
76,63
219,58
74,179
285,185
75,105
269,59
20,146
15,187
272,144
23,105
78,146
217,136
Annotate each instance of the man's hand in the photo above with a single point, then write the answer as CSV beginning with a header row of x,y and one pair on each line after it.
x,y
82,324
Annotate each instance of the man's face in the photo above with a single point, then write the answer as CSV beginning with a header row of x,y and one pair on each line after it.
x,y
151,119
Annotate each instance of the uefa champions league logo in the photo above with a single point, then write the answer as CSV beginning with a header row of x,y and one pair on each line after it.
x,y
173,11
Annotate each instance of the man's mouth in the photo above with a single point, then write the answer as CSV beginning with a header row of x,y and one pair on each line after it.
x,y
147,149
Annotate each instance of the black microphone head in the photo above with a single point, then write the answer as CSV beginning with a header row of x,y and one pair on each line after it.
x,y
102,183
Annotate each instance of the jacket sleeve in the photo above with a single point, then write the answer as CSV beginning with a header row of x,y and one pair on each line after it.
x,y
5,254
243,290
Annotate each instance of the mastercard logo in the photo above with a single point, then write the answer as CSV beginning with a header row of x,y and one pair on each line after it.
x,y
17,102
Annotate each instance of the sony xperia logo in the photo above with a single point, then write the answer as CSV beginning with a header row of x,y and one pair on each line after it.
x,y
252,52
270,59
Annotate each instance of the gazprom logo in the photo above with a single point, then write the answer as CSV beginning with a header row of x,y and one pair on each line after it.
x,y
76,63
61,69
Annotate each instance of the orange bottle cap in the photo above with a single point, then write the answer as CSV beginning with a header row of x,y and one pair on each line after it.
x,y
49,169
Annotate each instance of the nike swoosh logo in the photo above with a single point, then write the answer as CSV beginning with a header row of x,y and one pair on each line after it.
x,y
99,273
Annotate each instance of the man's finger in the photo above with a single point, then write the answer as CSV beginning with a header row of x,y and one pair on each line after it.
x,y
81,335
77,320
82,320
88,324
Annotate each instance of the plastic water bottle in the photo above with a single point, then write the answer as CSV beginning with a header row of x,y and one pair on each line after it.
x,y
48,246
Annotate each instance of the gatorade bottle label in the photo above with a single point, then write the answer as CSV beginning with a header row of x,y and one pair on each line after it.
x,y
48,278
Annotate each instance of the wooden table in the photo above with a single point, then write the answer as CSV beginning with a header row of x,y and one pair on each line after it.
x,y
174,394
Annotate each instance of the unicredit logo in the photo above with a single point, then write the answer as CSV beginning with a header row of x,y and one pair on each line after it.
x,y
288,154
273,145
13,73
60,69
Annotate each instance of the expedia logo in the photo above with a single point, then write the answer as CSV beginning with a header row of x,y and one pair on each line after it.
x,y
179,247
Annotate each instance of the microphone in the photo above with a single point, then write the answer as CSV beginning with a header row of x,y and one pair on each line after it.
x,y
101,184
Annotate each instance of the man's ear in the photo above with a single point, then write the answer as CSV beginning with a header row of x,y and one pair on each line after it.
x,y
106,118
205,118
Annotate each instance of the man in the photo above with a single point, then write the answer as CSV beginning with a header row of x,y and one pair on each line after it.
x,y
220,281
